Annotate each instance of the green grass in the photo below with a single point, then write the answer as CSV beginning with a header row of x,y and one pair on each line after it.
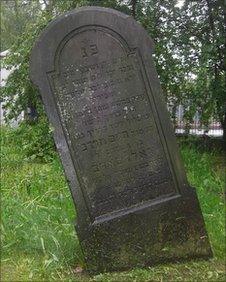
x,y
37,221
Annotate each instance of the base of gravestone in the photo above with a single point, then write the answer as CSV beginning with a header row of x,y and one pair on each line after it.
x,y
147,237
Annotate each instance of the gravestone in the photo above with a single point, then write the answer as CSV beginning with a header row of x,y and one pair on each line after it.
x,y
94,69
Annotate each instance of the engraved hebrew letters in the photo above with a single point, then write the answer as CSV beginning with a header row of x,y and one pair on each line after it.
x,y
108,117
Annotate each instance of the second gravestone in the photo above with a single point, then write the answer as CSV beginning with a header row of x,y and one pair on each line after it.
x,y
94,69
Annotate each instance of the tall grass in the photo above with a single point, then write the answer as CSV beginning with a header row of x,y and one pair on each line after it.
x,y
39,242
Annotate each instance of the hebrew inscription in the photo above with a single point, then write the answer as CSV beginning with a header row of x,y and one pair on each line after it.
x,y
111,131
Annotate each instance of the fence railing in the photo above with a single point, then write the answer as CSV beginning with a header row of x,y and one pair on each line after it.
x,y
196,128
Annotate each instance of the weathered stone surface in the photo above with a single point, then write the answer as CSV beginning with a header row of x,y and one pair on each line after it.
x,y
94,69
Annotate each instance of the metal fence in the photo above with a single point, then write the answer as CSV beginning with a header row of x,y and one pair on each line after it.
x,y
196,128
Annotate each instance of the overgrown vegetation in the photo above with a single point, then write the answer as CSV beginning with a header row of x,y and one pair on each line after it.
x,y
35,140
38,237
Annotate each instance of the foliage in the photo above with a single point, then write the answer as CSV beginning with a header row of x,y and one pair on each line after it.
x,y
203,29
15,15
35,140
19,91
160,19
37,228
189,53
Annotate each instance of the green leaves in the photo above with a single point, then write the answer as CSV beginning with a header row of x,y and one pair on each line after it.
x,y
189,54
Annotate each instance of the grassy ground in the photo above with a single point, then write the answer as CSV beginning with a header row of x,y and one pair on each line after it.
x,y
38,238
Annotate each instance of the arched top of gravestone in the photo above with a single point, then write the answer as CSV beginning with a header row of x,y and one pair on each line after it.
x,y
120,27
100,46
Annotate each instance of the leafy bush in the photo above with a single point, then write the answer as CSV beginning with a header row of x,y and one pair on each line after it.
x,y
35,141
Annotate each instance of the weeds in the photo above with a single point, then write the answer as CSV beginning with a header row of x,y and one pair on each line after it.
x,y
39,242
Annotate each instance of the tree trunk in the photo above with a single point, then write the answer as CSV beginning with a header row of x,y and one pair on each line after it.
x,y
223,124
16,9
133,10
31,114
49,6
216,67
